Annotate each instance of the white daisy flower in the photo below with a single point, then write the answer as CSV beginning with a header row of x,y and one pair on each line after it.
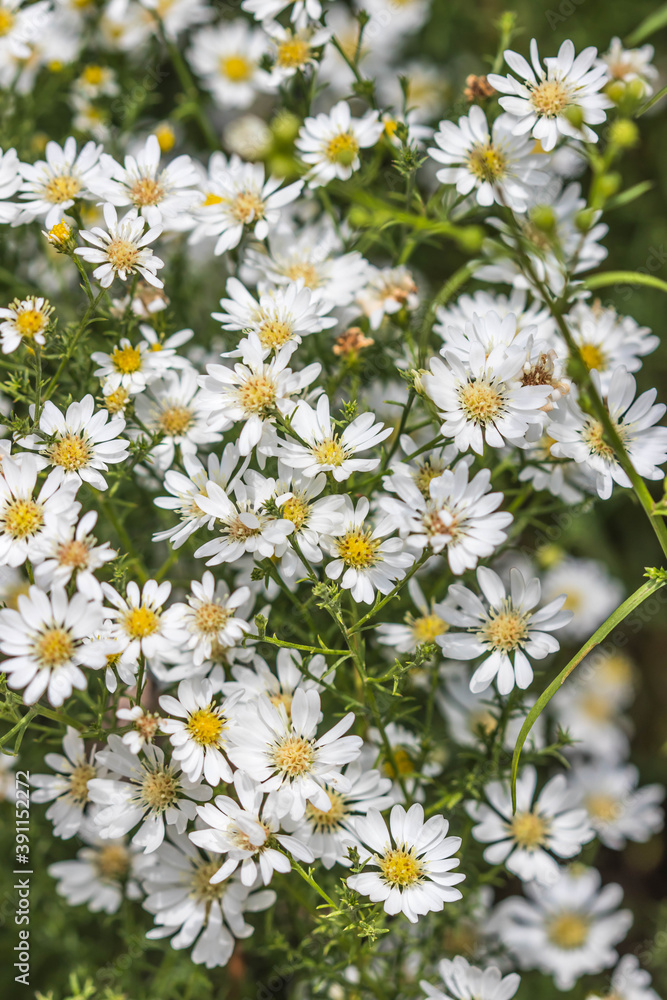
x,y
27,520
284,755
44,644
331,142
312,518
617,808
10,182
631,64
25,321
281,316
67,790
72,550
628,982
417,629
128,367
267,10
139,624
191,910
540,100
83,443
227,59
153,794
52,186
566,929
324,448
580,436
294,49
414,862
463,982
525,840
457,516
484,400
176,16
468,308
145,727
122,249
200,732
496,164
386,291
96,81
592,594
240,198
503,630
363,562
209,619
163,197
101,876
247,833
259,681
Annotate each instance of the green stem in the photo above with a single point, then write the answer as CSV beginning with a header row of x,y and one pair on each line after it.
x,y
311,882
71,347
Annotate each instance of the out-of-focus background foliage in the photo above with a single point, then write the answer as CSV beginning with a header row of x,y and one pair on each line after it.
x,y
461,38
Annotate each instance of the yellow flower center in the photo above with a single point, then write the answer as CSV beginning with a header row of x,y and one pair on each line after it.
x,y
74,554
404,763
54,647
166,137
506,629
616,668
22,518
60,189
593,435
480,401
247,206
296,510
141,622
211,199
549,98
203,891
603,807
357,549
72,452
597,707
426,628
294,756
122,254
425,474
59,233
6,20
292,53
175,420
31,322
342,149
147,725
205,726
329,452
528,829
117,400
93,75
258,393
239,532
274,333
568,930
487,163
159,790
308,272
126,359
236,68
243,841
400,867
210,618
113,861
326,822
78,782
284,699
146,191
593,357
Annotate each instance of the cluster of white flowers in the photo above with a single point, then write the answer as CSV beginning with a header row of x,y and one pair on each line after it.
x,y
330,443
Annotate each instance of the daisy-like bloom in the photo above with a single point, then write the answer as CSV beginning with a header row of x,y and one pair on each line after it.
x,y
175,407
245,525
67,789
122,249
240,199
81,442
281,316
248,833
267,10
417,629
631,64
505,631
415,862
96,81
312,518
284,755
331,143
566,929
72,550
522,840
145,727
328,833
192,910
10,181
387,290
139,624
227,60
592,594
258,681
52,186
255,390
362,560
153,794
200,732
457,516
497,165
102,874
617,808
469,308
581,437
324,448
541,100
294,49
484,400
26,519
131,368
463,982
209,619
162,196
628,982
44,644
25,321
177,16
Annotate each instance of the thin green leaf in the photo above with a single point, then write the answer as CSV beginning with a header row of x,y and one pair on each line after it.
x,y
608,626
626,197
649,104
654,22
606,278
